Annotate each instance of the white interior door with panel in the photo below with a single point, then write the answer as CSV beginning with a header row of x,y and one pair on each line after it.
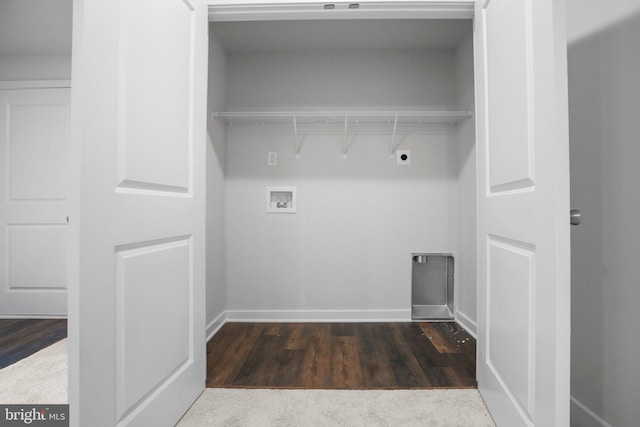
x,y
34,147
523,211
137,320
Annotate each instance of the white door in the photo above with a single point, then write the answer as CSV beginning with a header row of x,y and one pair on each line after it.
x,y
523,211
137,319
34,147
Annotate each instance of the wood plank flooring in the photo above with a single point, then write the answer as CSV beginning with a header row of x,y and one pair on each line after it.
x,y
341,356
20,338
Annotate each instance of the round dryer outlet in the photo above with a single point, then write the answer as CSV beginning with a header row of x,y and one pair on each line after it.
x,y
403,157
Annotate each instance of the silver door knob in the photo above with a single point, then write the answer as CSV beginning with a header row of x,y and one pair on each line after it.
x,y
576,217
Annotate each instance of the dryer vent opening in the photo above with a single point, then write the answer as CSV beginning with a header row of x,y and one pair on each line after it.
x,y
432,287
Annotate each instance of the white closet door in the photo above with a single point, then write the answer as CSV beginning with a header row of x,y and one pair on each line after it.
x,y
137,314
34,148
523,211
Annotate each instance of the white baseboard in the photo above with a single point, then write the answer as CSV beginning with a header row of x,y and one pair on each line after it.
x,y
216,324
581,416
33,316
321,316
468,324
318,315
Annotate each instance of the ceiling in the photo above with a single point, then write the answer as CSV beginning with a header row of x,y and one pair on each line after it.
x,y
35,27
341,34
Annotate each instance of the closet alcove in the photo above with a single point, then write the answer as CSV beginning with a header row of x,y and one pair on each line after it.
x,y
335,100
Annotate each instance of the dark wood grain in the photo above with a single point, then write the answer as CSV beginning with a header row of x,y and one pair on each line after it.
x,y
20,338
345,362
375,364
341,356
315,367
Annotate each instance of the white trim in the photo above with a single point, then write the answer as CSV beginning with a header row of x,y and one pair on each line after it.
x,y
581,416
33,316
469,325
215,325
227,10
318,316
35,84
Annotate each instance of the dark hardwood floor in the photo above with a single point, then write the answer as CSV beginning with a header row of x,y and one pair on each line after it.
x,y
341,356
20,338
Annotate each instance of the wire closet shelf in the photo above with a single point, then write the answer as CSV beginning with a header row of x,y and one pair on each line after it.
x,y
347,118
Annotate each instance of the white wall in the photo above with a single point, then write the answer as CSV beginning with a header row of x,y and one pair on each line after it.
x,y
216,148
348,248
341,78
35,67
466,208
605,151
358,220
589,17
35,39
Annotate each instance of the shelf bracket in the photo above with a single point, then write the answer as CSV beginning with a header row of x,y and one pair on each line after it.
x,y
295,134
393,137
345,143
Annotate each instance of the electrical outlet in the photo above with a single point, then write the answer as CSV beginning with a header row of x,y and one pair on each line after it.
x,y
272,158
403,157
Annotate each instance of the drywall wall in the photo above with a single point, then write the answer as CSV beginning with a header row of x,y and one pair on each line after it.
x,y
35,67
346,253
341,78
358,220
587,17
35,39
605,150
216,148
466,311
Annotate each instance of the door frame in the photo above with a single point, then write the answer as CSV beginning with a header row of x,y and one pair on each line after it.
x,y
270,10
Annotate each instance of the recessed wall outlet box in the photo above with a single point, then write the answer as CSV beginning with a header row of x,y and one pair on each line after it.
x,y
403,157
272,158
281,199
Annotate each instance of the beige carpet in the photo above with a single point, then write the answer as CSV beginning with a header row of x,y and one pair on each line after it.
x,y
337,408
39,378
42,378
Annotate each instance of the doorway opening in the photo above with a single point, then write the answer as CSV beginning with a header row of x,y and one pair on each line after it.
x,y
371,121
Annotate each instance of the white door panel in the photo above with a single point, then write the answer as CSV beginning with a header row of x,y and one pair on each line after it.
x,y
523,209
510,317
38,135
139,234
510,152
37,256
152,156
34,148
152,278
